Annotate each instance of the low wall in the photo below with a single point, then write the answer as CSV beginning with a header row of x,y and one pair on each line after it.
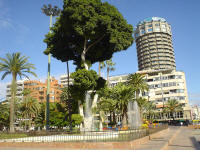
x,y
85,145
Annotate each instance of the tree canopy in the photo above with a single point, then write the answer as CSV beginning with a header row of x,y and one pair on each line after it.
x,y
88,30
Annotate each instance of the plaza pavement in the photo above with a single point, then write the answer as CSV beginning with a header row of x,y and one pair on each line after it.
x,y
177,138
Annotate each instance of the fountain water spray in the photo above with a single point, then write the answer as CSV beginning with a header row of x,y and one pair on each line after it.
x,y
134,119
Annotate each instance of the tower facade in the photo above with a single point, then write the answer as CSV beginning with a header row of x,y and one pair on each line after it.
x,y
154,44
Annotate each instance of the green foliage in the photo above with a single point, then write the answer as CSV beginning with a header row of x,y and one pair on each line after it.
x,y
58,115
172,106
40,118
87,80
16,64
12,136
116,98
69,102
138,82
4,116
29,109
77,119
26,92
92,26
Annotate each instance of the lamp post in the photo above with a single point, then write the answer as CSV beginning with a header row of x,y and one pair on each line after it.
x,y
49,11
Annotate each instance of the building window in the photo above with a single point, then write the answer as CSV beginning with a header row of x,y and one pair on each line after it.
x,y
178,77
157,29
164,29
150,26
163,26
157,24
142,31
150,30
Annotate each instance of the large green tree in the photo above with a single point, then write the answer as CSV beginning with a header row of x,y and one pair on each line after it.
x,y
16,65
88,30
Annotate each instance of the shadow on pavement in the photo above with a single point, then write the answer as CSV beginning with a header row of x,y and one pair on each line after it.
x,y
195,143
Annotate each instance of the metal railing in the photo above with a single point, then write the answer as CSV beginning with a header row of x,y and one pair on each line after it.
x,y
81,136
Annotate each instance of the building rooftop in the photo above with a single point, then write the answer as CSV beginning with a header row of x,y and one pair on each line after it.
x,y
150,19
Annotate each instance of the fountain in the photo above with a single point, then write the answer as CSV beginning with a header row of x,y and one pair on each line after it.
x,y
134,119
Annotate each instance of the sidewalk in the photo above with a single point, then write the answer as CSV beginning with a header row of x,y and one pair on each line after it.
x,y
161,142
186,139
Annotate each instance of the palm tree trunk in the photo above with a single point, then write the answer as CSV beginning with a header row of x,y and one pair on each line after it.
x,y
108,74
99,69
12,101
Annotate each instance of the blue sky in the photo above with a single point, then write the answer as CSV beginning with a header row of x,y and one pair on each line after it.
x,y
23,26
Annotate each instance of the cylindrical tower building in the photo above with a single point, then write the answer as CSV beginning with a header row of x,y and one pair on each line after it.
x,y
154,44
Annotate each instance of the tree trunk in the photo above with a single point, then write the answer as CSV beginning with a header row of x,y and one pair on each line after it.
x,y
108,75
83,55
99,68
110,116
114,119
12,101
69,105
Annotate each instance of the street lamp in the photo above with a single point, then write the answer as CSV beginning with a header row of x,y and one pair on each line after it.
x,y
49,11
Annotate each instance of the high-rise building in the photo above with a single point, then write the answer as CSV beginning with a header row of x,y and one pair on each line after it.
x,y
154,44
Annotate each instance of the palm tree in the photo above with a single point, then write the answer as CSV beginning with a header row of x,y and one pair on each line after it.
x,y
138,82
173,106
30,108
101,66
16,65
149,109
49,11
110,67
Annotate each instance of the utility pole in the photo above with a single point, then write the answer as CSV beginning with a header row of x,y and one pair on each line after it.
x,y
49,11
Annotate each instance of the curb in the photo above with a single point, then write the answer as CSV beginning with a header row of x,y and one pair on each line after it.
x,y
165,147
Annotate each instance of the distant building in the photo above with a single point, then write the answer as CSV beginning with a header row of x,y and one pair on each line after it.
x,y
64,80
19,90
195,112
38,90
163,85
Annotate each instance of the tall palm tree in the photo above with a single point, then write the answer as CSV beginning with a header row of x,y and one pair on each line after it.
x,y
49,11
173,106
137,81
110,67
101,66
16,65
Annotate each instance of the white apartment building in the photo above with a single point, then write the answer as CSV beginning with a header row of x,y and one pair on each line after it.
x,y
163,85
20,88
195,112
64,80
